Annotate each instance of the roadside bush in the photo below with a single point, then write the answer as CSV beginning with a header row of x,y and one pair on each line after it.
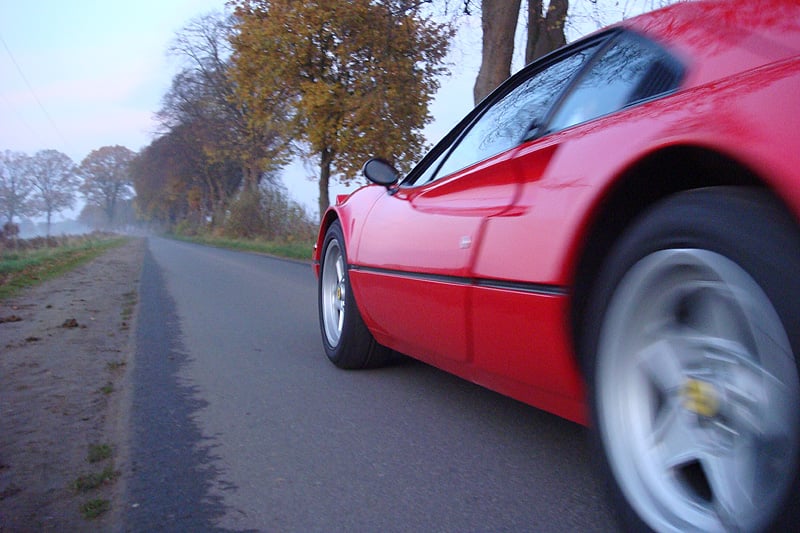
x,y
9,233
245,218
269,214
41,243
186,227
286,220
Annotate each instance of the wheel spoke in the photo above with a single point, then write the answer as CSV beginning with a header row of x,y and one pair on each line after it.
x,y
756,402
340,269
660,361
746,410
699,393
673,440
732,478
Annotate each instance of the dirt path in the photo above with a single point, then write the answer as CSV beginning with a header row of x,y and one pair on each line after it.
x,y
65,349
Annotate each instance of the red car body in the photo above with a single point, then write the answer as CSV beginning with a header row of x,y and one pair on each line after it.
x,y
612,236
481,273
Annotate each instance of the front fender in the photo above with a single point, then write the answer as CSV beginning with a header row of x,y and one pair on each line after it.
x,y
351,212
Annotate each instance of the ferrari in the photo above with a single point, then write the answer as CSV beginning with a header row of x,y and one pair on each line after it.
x,y
613,236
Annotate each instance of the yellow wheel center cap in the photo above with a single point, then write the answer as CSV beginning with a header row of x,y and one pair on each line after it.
x,y
700,397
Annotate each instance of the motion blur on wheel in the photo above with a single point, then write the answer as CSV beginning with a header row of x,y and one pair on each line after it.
x,y
613,236
696,384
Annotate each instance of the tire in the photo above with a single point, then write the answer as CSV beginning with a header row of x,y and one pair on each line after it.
x,y
691,343
347,341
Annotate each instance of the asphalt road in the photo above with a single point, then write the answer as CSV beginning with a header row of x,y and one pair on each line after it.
x,y
239,423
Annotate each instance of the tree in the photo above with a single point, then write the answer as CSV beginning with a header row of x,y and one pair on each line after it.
x,y
93,217
359,77
106,178
202,95
54,182
15,186
175,179
499,23
546,30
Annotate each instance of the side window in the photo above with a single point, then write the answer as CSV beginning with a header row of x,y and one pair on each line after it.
x,y
631,70
506,123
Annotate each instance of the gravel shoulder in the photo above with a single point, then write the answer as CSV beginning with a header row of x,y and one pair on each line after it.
x,y
65,350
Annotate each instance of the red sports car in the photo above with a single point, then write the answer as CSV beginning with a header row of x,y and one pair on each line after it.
x,y
613,236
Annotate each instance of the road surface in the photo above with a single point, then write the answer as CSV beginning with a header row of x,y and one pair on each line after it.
x,y
239,423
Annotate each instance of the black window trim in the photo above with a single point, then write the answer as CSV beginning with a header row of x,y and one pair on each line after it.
x,y
451,140
670,61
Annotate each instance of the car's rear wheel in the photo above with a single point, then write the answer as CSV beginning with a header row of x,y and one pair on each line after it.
x,y
692,339
347,341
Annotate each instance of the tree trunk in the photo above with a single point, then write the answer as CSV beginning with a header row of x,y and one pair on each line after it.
x,y
218,201
251,177
499,22
545,32
111,204
326,159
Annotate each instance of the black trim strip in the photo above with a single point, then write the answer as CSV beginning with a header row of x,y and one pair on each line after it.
x,y
535,288
532,288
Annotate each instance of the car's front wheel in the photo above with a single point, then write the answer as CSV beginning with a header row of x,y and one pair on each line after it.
x,y
692,338
347,341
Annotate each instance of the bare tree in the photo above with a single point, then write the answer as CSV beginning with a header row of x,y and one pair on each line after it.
x,y
547,29
597,14
106,178
203,96
176,180
15,186
499,22
54,182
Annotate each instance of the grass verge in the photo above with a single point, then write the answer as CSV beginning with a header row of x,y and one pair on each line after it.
x,y
292,250
94,508
94,480
28,267
127,309
98,452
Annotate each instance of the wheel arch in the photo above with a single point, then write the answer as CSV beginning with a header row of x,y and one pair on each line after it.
x,y
655,177
330,216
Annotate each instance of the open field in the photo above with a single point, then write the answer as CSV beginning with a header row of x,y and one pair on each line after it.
x,y
27,262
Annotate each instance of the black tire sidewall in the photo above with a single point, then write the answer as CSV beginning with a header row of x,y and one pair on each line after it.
x,y
748,227
356,347
334,234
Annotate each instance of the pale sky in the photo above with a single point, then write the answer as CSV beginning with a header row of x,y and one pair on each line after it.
x,y
76,75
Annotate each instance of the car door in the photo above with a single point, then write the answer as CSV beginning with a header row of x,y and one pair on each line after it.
x,y
520,316
417,244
